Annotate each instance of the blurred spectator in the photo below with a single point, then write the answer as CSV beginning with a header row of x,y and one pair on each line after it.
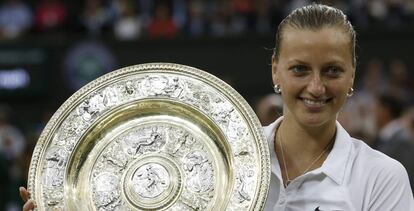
x,y
128,26
145,11
95,17
50,15
262,23
162,25
269,108
395,135
225,21
358,116
11,139
294,4
197,23
15,18
373,80
179,13
408,123
388,109
400,84
377,11
340,4
396,13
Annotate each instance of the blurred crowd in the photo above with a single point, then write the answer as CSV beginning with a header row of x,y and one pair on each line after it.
x,y
135,19
381,112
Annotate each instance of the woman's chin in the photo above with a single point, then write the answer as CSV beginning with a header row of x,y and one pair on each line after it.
x,y
314,120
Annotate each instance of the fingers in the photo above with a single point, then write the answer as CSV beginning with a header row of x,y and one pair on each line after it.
x,y
29,205
24,194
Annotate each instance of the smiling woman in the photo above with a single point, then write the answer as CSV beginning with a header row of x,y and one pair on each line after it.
x,y
316,165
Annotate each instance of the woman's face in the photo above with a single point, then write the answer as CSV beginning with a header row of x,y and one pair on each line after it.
x,y
315,73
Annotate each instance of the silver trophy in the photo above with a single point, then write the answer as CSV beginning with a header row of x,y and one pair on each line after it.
x,y
155,136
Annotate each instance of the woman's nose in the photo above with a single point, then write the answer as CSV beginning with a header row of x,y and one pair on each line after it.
x,y
316,86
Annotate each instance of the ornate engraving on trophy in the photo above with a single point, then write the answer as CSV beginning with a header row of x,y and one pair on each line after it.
x,y
241,190
129,87
180,142
106,191
91,107
199,172
150,142
162,86
150,180
55,164
113,157
111,96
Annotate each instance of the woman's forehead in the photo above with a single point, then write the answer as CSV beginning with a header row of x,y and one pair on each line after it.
x,y
327,34
328,43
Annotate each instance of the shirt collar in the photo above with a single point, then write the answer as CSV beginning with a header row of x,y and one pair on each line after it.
x,y
338,159
270,136
336,162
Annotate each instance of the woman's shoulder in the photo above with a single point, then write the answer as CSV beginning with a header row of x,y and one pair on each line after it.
x,y
375,162
383,178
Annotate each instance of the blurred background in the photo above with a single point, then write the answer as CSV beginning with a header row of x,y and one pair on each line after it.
x,y
51,48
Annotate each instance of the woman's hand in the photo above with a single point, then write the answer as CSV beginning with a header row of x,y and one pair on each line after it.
x,y
29,203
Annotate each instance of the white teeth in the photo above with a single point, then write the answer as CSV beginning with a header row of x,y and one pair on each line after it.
x,y
315,102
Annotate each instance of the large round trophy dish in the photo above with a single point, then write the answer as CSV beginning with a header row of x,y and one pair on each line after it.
x,y
155,136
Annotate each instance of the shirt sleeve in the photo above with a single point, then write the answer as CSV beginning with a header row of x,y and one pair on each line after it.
x,y
392,190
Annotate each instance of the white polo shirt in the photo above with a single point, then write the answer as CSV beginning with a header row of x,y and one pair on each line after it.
x,y
353,177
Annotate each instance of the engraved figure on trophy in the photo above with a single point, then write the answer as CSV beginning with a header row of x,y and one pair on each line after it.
x,y
174,88
129,87
150,141
202,99
76,123
115,157
155,86
54,167
200,175
181,143
110,96
54,199
128,90
163,86
150,180
88,109
105,191
241,192
222,111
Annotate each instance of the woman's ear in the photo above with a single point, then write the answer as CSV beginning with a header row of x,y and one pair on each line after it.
x,y
275,78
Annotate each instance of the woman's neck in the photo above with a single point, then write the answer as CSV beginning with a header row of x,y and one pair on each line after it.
x,y
300,149
307,141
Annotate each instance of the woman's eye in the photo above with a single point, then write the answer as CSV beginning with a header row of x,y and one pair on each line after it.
x,y
298,69
333,71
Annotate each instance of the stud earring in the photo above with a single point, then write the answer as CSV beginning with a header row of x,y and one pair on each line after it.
x,y
350,92
277,89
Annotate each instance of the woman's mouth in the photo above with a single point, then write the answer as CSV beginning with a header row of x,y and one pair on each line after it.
x,y
315,104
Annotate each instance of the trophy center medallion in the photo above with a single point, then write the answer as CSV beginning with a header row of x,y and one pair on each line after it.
x,y
150,180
